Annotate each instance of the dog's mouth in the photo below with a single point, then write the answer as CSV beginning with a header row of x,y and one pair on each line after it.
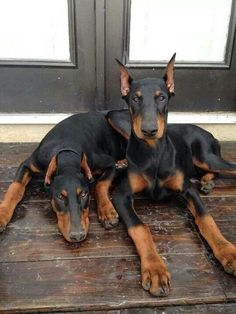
x,y
149,137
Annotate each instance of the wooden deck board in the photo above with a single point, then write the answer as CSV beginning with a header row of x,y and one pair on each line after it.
x,y
111,282
40,271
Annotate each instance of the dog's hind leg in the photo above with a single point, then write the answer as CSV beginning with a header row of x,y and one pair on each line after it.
x,y
223,250
213,164
15,192
207,183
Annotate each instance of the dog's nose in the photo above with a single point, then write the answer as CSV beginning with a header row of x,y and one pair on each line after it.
x,y
77,236
149,132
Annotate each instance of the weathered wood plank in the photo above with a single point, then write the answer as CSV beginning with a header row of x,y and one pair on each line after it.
x,y
35,190
12,154
32,234
110,283
47,244
224,308
190,309
228,282
228,150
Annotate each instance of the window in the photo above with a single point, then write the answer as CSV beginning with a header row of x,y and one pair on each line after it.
x,y
196,30
35,31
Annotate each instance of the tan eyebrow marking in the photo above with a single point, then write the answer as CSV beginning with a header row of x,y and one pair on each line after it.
x,y
157,93
64,193
138,93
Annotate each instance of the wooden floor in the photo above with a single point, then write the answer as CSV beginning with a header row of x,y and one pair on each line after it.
x,y
40,272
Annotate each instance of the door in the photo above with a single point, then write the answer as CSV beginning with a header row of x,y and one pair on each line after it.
x,y
61,56
47,56
145,34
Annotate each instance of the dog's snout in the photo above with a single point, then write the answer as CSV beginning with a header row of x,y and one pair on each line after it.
x,y
149,131
77,236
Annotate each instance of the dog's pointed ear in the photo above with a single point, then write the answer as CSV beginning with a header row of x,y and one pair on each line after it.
x,y
169,75
125,79
85,167
52,167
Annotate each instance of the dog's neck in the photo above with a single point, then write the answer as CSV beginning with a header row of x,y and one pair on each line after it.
x,y
145,150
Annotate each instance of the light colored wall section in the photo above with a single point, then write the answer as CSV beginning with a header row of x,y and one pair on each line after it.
x,y
223,132
23,133
34,133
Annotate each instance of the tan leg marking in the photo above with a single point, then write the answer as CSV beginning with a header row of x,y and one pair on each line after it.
x,y
12,197
138,182
174,183
201,165
223,250
207,177
154,272
107,214
204,166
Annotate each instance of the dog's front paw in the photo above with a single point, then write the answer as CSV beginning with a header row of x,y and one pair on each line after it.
x,y
226,254
108,216
155,276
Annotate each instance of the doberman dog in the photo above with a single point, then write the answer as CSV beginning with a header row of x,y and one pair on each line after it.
x,y
68,156
161,160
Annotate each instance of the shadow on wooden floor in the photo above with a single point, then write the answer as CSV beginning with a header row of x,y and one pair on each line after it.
x,y
40,272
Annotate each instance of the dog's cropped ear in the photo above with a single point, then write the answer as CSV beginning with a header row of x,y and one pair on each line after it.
x,y
125,79
169,75
51,170
85,168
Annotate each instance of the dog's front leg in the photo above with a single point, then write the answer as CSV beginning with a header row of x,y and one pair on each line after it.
x,y
154,272
107,214
14,194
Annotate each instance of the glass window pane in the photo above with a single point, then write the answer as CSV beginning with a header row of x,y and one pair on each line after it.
x,y
196,29
34,29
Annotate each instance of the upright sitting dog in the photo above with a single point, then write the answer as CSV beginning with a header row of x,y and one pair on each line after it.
x,y
161,160
71,152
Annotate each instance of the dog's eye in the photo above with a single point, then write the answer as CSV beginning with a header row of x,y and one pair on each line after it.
x,y
161,98
136,99
60,196
83,194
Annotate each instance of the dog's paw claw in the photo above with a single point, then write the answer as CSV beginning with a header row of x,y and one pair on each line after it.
x,y
108,217
2,228
155,277
108,224
206,188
